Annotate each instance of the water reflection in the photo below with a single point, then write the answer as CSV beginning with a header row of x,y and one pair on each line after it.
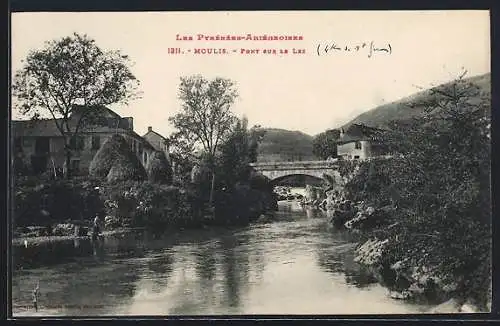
x,y
295,265
160,269
232,270
206,261
98,250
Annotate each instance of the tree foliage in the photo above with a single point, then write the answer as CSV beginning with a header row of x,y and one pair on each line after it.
x,y
68,72
439,186
182,152
238,151
324,144
206,116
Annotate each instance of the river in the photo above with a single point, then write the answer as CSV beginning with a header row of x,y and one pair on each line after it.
x,y
294,265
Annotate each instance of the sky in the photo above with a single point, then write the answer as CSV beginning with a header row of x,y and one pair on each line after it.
x,y
302,91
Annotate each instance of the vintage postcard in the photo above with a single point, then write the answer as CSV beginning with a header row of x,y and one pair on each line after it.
x,y
250,163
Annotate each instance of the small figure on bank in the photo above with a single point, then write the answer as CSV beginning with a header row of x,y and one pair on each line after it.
x,y
96,228
35,295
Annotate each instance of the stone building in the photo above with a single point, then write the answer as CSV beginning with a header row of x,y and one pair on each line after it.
x,y
159,142
360,142
38,144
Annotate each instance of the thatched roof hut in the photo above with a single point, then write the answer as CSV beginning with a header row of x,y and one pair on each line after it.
x,y
158,168
115,161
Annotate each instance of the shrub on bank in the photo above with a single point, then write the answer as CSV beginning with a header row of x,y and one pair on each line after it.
x,y
439,188
145,204
242,204
158,168
433,227
45,202
161,206
133,203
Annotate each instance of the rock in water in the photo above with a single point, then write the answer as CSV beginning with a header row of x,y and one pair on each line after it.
x,y
399,295
264,218
64,229
449,307
469,308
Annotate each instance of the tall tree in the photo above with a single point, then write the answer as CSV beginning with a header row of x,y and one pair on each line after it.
x,y
206,116
324,144
237,151
182,151
68,72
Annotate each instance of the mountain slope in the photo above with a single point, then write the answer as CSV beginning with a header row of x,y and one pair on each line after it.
x,y
285,145
380,116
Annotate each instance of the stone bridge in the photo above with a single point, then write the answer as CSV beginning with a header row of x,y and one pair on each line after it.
x,y
278,170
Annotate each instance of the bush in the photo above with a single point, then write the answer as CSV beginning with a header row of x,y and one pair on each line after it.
x,y
242,204
149,204
439,187
158,168
39,202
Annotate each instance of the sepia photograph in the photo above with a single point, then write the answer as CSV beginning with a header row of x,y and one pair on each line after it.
x,y
242,163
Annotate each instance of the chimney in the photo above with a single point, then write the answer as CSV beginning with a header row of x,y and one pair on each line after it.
x,y
150,129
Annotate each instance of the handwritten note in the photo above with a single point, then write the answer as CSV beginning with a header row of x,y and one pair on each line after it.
x,y
368,48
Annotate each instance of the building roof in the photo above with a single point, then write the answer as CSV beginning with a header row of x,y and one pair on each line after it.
x,y
48,127
152,132
37,128
359,132
101,109
147,136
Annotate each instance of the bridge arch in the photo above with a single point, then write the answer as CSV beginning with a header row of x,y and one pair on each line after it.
x,y
300,178
278,170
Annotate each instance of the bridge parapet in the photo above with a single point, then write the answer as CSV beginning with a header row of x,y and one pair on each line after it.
x,y
277,170
301,164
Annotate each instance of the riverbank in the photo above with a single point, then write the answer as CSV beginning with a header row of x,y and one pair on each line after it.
x,y
33,241
416,257
383,250
53,210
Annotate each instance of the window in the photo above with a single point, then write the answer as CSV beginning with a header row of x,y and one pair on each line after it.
x,y
112,123
356,157
75,165
101,121
357,145
39,163
27,142
96,142
42,145
140,148
18,145
77,143
145,158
